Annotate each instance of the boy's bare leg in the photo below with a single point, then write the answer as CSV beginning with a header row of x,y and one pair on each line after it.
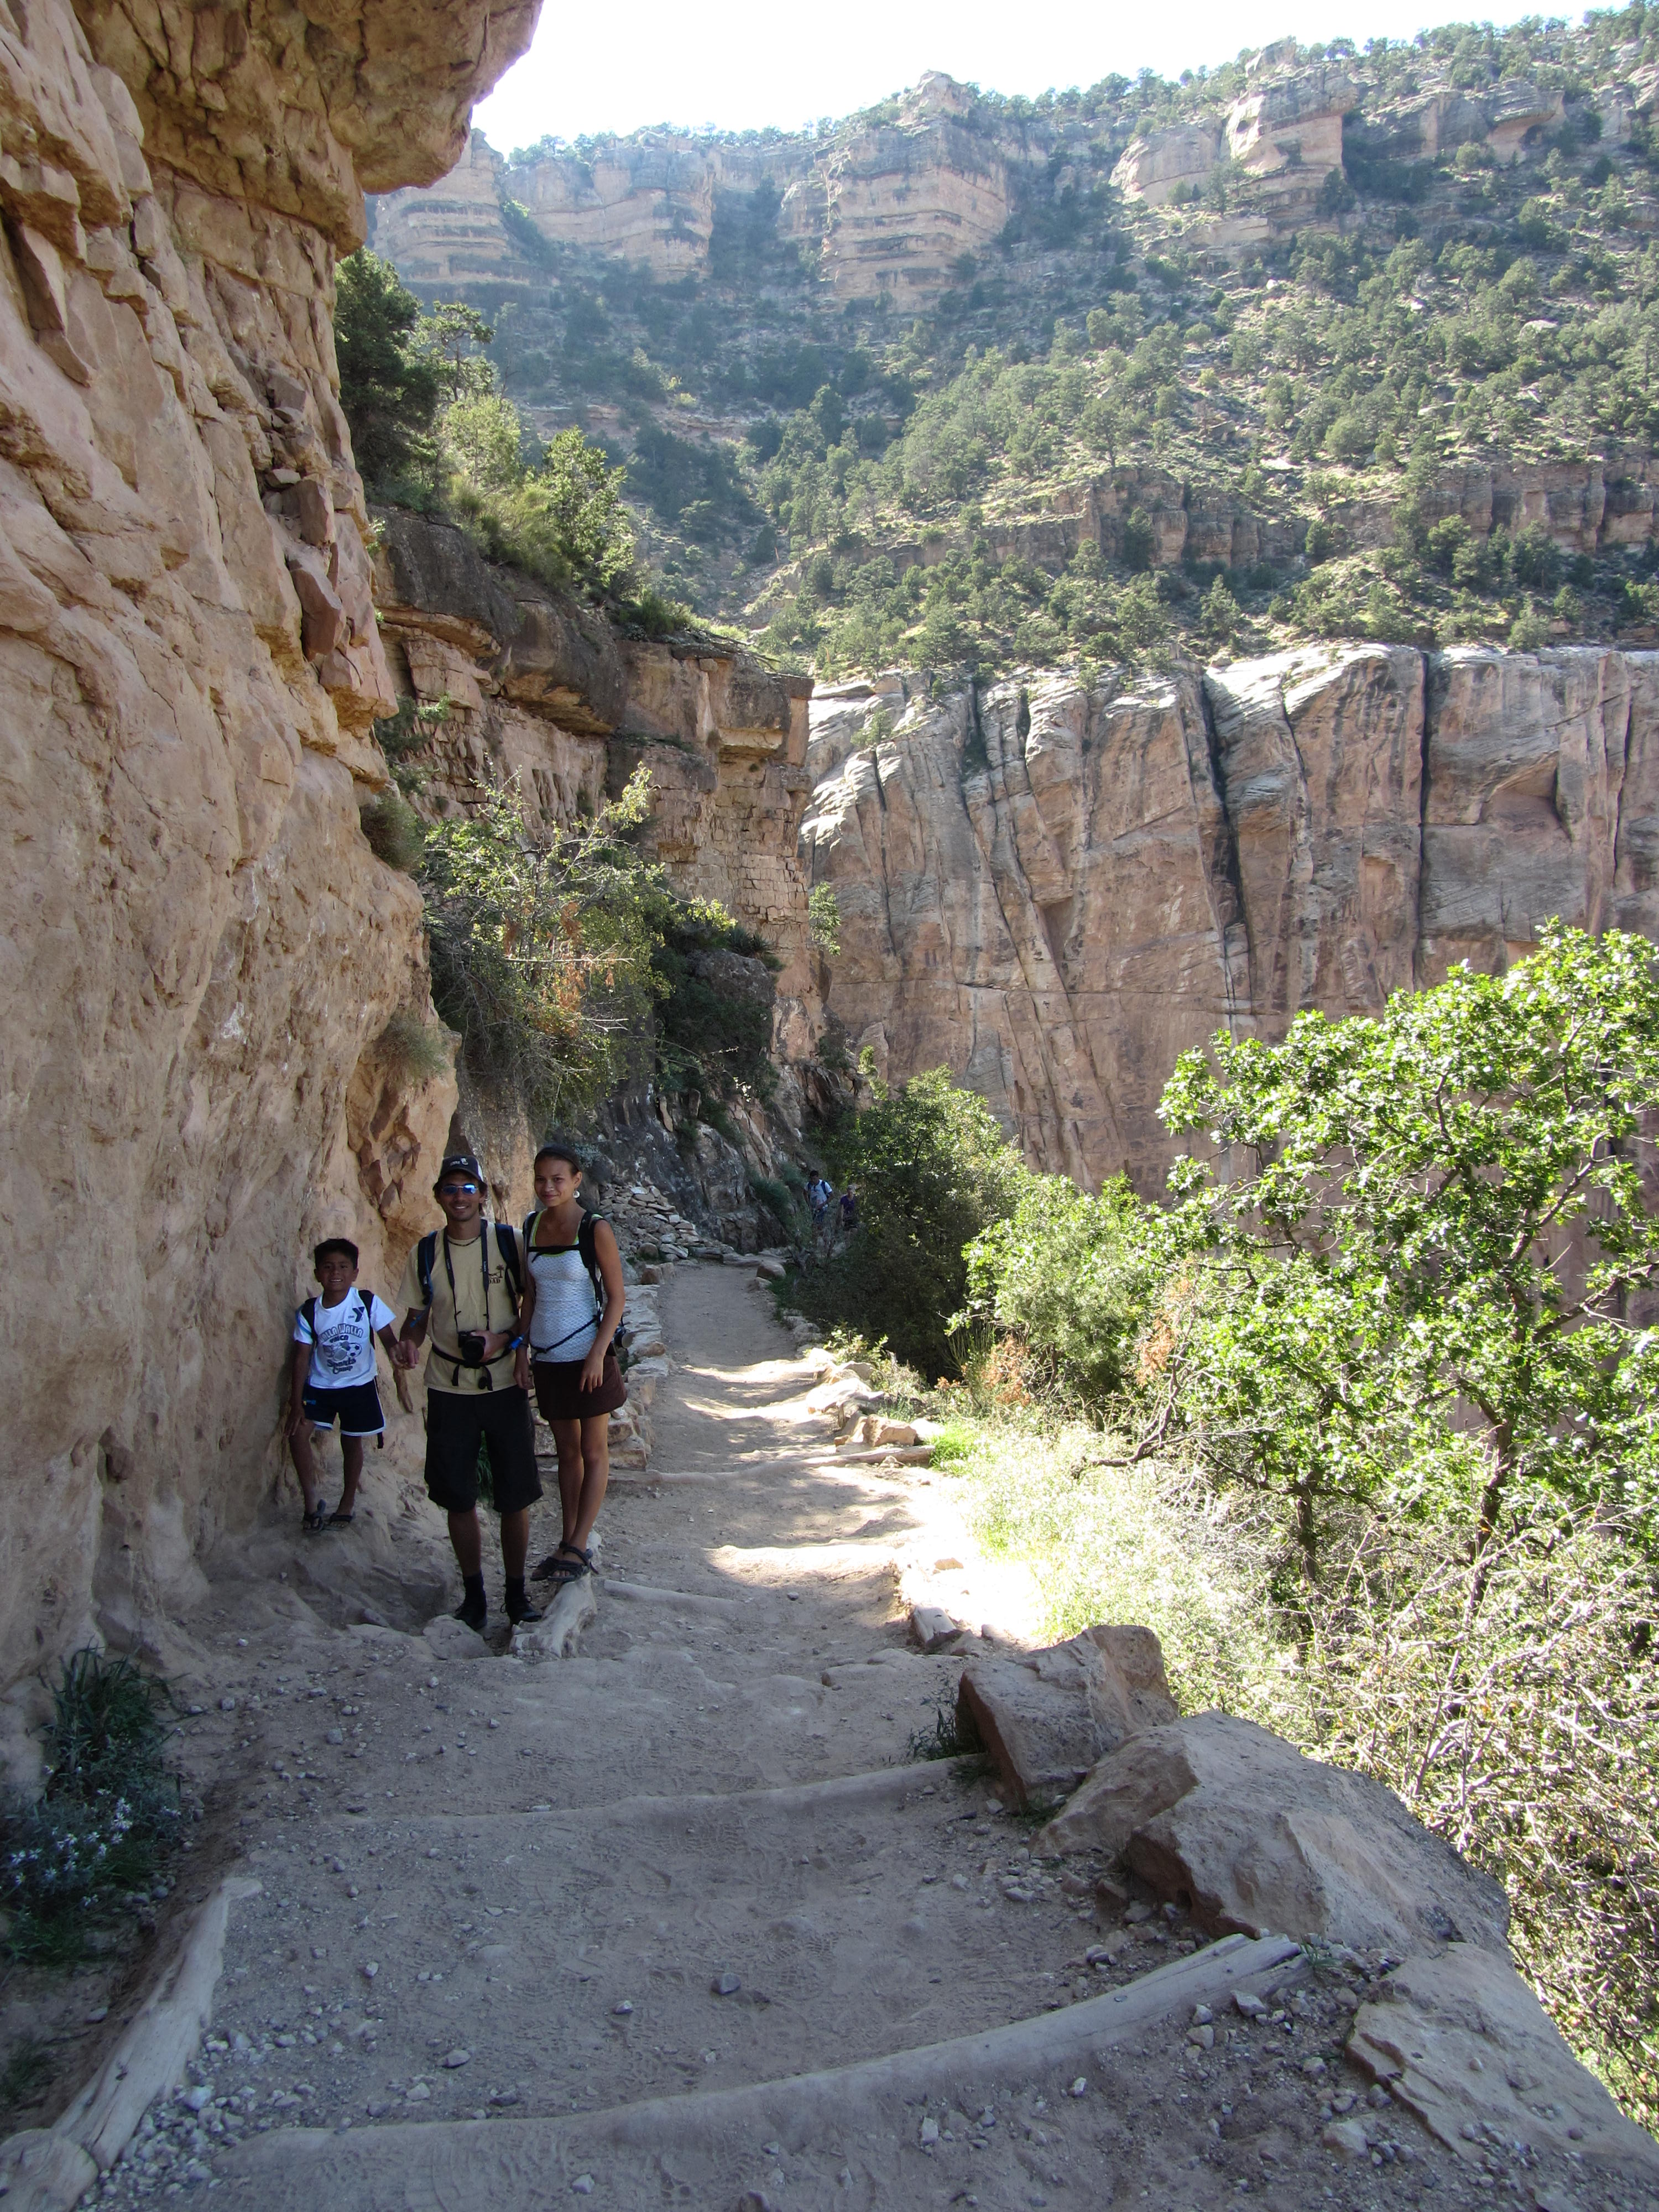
x,y
352,1452
305,1466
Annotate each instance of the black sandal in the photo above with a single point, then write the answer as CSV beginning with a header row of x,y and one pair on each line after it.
x,y
338,1520
315,1520
558,1568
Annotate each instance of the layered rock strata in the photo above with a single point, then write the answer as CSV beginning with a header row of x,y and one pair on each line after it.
x,y
1053,889
202,956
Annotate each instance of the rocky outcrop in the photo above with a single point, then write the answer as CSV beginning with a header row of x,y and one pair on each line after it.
x,y
1049,1717
1052,890
1230,1823
203,955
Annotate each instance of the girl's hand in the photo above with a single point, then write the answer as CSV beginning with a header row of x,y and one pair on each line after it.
x,y
594,1368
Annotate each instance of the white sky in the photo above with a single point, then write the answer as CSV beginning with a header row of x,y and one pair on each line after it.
x,y
739,64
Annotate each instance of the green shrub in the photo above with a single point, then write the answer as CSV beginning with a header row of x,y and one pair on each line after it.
x,y
97,1840
931,1169
414,1048
389,394
824,918
395,831
1068,1274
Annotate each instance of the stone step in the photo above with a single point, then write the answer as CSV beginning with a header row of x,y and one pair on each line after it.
x,y
854,1916
870,2118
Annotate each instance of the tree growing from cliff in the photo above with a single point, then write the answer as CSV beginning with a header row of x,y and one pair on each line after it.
x,y
388,390
1424,1284
542,947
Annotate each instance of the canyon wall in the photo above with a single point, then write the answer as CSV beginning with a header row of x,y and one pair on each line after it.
x,y
1053,891
202,955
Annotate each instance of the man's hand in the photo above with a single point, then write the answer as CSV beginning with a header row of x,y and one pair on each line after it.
x,y
521,1367
496,1341
406,1352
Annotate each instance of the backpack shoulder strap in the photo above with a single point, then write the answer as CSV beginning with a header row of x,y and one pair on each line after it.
x,y
309,1310
425,1253
367,1305
588,1246
506,1244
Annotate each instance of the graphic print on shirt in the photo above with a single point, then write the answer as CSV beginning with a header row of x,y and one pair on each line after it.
x,y
343,1345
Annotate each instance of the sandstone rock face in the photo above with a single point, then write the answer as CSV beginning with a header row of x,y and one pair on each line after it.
x,y
1223,1818
202,953
1053,891
1459,2038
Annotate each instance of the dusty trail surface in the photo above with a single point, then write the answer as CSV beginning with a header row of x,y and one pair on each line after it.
x,y
617,1926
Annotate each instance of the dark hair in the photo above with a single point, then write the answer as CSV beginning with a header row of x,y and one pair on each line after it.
x,y
320,1252
558,1148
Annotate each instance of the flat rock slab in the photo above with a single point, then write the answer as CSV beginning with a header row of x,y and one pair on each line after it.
x,y
1464,2043
1049,1717
1225,1818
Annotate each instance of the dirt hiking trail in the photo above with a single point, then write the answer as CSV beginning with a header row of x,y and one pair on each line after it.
x,y
680,1920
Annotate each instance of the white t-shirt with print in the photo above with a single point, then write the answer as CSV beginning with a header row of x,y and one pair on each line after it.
x,y
343,1349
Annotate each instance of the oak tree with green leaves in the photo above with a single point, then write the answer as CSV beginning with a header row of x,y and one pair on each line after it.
x,y
1418,1265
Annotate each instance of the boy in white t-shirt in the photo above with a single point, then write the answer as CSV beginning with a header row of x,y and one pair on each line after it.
x,y
332,1378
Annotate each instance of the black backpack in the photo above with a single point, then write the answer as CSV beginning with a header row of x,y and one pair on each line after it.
x,y
427,1251
309,1310
587,1249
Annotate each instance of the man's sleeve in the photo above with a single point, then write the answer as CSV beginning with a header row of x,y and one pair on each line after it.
x,y
410,1296
301,1328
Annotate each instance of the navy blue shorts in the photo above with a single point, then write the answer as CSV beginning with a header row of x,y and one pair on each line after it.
x,y
356,1410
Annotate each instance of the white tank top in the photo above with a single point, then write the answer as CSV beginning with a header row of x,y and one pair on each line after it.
x,y
566,1319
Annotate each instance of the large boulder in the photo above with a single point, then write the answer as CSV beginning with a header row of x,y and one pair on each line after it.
x,y
1459,2038
1226,1820
1048,1717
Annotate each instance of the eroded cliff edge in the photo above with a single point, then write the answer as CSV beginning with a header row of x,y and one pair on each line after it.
x,y
1053,889
201,951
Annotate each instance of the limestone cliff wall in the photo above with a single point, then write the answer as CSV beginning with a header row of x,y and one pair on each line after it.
x,y
201,953
1053,890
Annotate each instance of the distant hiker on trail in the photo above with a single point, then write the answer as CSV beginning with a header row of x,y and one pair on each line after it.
x,y
465,1281
572,1310
818,1195
332,1376
849,1210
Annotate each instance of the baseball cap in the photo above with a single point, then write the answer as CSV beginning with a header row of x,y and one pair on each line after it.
x,y
458,1164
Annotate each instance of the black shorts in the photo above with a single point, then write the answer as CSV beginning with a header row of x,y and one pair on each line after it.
x,y
357,1410
457,1422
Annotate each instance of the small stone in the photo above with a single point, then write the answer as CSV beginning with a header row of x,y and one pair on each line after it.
x,y
226,1704
582,2186
1346,2138
1135,1913
1249,2003
97,2013
1203,2037
1378,2097
1079,2087
1313,2067
456,2057
1202,2015
335,1735
622,2009
929,2131
726,1985
958,1881
418,2093
370,1969
193,2099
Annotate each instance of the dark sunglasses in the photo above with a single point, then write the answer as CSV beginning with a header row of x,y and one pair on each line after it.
x,y
461,1189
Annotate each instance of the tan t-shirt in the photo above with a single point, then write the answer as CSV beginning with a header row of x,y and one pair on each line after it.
x,y
475,1306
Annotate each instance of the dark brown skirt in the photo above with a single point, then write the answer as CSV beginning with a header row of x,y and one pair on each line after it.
x,y
560,1394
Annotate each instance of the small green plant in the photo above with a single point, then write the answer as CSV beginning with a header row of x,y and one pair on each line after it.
x,y
94,1846
952,1734
823,920
395,832
414,1048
